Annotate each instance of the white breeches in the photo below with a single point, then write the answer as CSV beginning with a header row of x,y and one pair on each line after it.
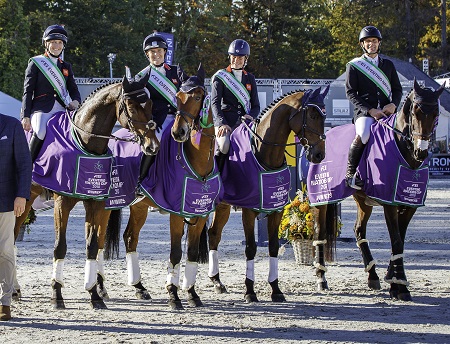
x,y
223,142
39,120
362,127
167,121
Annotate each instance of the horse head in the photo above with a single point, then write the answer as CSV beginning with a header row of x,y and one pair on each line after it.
x,y
310,126
135,113
421,112
192,105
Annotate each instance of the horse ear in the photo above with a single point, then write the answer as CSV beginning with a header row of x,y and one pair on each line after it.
x,y
325,91
201,73
440,89
417,87
315,93
181,74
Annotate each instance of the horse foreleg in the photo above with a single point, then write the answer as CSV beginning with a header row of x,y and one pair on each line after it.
x,y
102,216
274,244
397,220
248,222
221,216
363,214
92,230
173,268
63,206
138,216
319,245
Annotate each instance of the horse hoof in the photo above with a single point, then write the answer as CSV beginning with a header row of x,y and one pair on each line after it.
x,y
176,305
195,302
322,286
98,304
58,304
143,294
220,289
103,293
250,298
393,294
278,298
374,284
16,295
404,297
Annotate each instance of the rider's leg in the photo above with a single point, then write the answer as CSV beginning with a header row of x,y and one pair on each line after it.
x,y
223,143
362,127
39,124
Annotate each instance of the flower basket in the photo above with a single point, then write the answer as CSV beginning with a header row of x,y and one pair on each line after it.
x,y
303,251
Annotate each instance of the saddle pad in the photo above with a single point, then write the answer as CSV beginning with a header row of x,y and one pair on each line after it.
x,y
175,187
387,176
64,167
247,184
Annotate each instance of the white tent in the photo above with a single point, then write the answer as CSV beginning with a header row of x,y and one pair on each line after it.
x,y
9,105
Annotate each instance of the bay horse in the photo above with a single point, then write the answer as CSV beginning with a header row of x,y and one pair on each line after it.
x,y
193,134
414,126
298,112
93,124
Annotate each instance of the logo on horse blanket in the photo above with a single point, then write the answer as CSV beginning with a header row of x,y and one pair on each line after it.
x,y
171,182
387,176
247,184
66,168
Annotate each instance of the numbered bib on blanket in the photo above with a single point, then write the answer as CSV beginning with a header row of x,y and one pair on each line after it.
x,y
411,186
92,176
199,196
274,188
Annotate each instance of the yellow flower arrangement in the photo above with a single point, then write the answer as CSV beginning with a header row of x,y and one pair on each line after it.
x,y
298,221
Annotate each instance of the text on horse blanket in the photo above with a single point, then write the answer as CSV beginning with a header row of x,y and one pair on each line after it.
x,y
387,176
247,184
65,167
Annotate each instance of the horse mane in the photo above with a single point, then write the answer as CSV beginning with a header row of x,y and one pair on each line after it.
x,y
113,82
407,101
275,102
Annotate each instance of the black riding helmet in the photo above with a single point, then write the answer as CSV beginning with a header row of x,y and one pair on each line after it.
x,y
154,41
369,31
54,32
239,47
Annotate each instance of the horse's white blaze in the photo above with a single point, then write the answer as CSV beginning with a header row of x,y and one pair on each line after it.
x,y
133,269
273,269
250,270
90,273
173,274
422,144
190,274
57,275
213,263
101,263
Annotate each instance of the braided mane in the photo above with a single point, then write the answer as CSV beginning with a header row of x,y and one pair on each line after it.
x,y
275,102
100,88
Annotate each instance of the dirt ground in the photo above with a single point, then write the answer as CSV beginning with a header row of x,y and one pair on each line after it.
x,y
348,313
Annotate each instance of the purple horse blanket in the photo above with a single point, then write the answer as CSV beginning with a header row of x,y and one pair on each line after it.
x,y
66,168
247,184
171,181
387,177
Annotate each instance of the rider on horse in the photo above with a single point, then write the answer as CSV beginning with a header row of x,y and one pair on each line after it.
x,y
373,87
233,95
163,85
49,87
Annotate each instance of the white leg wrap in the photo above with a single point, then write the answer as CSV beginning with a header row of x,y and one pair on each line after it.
x,y
101,263
250,271
273,269
133,269
319,242
396,256
320,267
190,274
173,274
213,263
362,241
57,275
90,274
369,266
16,282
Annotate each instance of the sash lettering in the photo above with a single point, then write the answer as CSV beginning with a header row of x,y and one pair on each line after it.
x,y
163,85
235,87
374,73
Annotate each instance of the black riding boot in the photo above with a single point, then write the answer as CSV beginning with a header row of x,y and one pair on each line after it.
x,y
354,156
146,162
220,160
35,146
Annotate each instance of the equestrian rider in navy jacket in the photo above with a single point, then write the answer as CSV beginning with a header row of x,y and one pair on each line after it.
x,y
369,100
227,109
40,98
163,110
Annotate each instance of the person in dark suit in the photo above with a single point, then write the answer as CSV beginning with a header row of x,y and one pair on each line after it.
x,y
49,87
373,87
233,95
15,184
163,85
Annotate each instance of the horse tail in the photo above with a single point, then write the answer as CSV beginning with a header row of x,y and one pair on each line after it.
x,y
331,231
112,234
203,246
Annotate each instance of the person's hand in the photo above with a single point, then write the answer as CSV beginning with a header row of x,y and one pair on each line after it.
x,y
389,109
247,117
26,123
223,130
376,113
73,105
19,206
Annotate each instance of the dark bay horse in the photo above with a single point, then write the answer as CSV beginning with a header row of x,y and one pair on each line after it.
x,y
93,124
297,112
193,133
414,125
